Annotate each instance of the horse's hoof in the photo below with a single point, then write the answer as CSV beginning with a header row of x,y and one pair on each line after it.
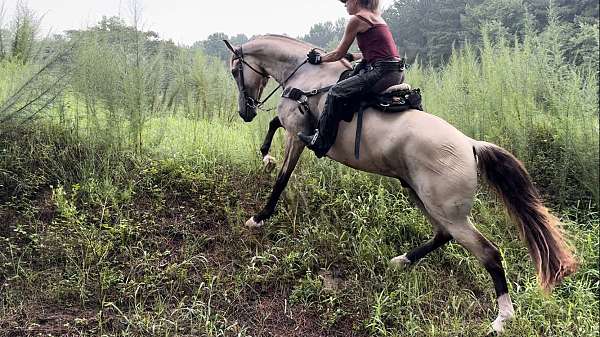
x,y
270,163
400,261
506,312
495,331
253,224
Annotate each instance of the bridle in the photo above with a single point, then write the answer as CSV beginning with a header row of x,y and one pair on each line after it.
x,y
251,102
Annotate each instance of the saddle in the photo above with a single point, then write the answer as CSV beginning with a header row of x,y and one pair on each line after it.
x,y
395,99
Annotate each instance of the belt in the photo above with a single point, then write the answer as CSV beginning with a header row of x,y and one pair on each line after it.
x,y
398,65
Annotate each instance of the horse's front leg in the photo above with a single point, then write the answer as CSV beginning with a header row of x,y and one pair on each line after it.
x,y
293,150
266,146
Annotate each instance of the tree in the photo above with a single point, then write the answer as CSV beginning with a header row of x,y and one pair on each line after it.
x,y
214,45
511,17
25,27
2,32
326,34
427,28
238,39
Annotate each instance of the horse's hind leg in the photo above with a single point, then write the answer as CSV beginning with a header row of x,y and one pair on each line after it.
x,y
489,256
266,146
447,204
440,237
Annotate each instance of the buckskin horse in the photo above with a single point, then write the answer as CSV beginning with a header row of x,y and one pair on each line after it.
x,y
434,161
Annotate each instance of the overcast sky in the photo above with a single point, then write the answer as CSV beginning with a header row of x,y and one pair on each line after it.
x,y
187,21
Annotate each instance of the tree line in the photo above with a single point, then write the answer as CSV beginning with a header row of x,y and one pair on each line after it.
x,y
428,30
425,30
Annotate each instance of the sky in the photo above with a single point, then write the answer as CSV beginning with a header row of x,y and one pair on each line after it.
x,y
188,21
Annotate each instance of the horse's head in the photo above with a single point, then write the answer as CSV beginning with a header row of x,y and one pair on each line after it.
x,y
251,79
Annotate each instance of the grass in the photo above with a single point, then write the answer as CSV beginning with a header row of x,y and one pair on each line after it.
x,y
162,250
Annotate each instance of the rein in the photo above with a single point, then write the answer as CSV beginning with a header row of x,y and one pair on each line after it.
x,y
252,102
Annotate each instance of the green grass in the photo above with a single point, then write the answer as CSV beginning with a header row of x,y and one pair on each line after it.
x,y
161,249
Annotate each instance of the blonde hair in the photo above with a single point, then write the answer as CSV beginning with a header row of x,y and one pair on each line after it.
x,y
372,5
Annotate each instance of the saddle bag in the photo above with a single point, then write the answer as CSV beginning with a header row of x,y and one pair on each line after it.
x,y
397,100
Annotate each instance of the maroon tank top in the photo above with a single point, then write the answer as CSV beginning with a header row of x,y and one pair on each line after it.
x,y
377,42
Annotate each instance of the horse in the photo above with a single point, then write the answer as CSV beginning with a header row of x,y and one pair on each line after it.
x,y
436,163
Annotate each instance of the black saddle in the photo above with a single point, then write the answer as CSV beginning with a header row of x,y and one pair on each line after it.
x,y
397,98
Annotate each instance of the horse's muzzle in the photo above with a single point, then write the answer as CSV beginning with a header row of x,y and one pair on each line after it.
x,y
247,115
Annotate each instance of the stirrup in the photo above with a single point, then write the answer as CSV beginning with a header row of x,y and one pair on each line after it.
x,y
309,140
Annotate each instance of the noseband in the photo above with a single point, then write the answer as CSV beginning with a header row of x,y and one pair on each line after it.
x,y
250,101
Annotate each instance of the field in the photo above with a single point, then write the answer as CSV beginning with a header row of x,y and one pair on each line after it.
x,y
123,214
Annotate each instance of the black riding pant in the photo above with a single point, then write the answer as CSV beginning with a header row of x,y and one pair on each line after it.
x,y
368,81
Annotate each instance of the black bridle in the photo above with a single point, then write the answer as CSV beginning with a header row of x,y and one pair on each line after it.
x,y
251,102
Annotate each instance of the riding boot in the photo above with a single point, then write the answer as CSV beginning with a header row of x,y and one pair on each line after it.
x,y
323,137
314,142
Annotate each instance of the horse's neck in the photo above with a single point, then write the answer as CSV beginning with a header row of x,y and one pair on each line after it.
x,y
307,76
281,59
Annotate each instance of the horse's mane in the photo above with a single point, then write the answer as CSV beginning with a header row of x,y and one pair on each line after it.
x,y
301,43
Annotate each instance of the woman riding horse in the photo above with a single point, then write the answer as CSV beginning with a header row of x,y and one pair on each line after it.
x,y
434,161
381,68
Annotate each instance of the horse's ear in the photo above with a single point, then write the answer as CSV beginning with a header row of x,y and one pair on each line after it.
x,y
230,47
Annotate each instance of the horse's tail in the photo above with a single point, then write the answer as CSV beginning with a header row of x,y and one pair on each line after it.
x,y
551,253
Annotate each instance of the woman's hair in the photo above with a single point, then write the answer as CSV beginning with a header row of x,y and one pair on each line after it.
x,y
372,5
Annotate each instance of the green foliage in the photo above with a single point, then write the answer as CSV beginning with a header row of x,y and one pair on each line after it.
x,y
3,33
326,35
214,46
171,256
19,42
124,77
429,30
24,34
510,17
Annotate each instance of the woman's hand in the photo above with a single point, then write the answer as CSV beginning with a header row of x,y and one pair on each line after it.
x,y
314,57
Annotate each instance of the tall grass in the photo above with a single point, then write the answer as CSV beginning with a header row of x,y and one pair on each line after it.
x,y
114,88
521,95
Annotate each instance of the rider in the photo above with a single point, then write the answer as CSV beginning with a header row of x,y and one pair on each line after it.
x,y
381,66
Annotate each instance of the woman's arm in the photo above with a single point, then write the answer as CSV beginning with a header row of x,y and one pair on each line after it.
x,y
352,29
